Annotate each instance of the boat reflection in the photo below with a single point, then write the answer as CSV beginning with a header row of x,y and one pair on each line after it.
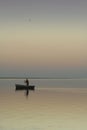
x,y
26,88
27,92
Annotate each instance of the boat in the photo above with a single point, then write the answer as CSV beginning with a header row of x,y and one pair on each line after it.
x,y
24,87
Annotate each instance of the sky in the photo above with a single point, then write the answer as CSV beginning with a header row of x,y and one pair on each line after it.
x,y
45,38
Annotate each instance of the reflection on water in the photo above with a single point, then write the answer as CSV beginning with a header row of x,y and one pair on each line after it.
x,y
27,93
45,109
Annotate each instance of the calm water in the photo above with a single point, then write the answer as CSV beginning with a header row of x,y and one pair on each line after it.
x,y
54,105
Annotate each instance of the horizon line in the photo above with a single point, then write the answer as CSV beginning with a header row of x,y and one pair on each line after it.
x,y
17,77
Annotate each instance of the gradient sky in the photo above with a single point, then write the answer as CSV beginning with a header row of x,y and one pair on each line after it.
x,y
43,38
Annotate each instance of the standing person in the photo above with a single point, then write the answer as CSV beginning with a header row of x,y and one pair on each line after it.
x,y
27,82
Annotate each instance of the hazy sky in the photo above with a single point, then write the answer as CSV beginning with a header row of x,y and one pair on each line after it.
x,y
43,38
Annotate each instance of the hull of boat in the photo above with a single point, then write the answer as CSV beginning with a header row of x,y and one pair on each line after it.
x,y
24,87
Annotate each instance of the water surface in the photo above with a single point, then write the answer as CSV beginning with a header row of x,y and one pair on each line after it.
x,y
54,105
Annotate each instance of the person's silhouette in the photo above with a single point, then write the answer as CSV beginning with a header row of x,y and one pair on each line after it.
x,y
27,82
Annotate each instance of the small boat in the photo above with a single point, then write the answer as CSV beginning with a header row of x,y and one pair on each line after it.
x,y
24,87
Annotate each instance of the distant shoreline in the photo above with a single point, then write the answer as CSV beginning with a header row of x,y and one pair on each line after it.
x,y
39,78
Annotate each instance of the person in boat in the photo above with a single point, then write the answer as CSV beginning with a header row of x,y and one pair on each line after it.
x,y
27,82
